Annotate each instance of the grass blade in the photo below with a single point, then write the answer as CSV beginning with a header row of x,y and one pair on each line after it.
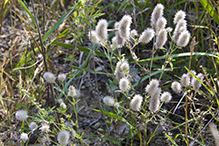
x,y
49,32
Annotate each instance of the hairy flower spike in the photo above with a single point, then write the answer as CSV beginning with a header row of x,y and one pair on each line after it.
x,y
156,14
124,84
161,23
72,91
21,115
134,33
176,87
61,77
166,97
93,37
63,105
44,127
24,136
63,137
124,26
214,132
154,101
49,77
195,83
183,39
135,103
161,38
185,80
181,26
179,15
33,126
101,30
152,87
147,35
108,100
125,66
118,41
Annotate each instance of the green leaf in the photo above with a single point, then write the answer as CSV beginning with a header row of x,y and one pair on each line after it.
x,y
49,32
210,10
31,16
114,140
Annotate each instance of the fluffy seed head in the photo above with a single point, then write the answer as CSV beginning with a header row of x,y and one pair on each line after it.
x,y
156,14
181,26
93,37
44,127
124,84
124,26
147,35
33,126
214,132
176,87
61,77
117,105
72,91
166,97
108,100
152,86
185,80
195,83
49,77
154,101
118,41
179,15
21,115
119,75
190,76
63,137
169,29
24,136
183,39
161,23
161,38
134,33
135,103
101,30
63,105
125,66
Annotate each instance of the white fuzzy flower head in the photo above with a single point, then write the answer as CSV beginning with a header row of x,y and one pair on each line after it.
x,y
176,87
63,137
108,100
135,103
214,132
156,14
61,77
124,66
21,115
33,126
185,80
147,35
49,77
117,105
44,127
166,97
118,41
152,86
101,30
63,105
161,23
169,29
60,101
183,39
161,38
181,26
93,37
195,83
155,100
179,15
124,26
190,75
24,136
124,84
134,33
72,91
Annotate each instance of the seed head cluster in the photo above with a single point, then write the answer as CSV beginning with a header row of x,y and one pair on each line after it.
x,y
136,102
63,137
21,115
